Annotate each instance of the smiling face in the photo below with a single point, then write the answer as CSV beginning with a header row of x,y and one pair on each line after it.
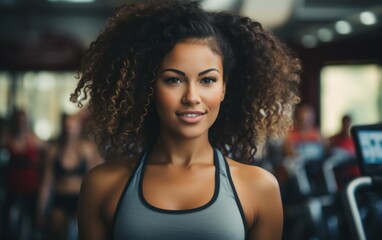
x,y
189,89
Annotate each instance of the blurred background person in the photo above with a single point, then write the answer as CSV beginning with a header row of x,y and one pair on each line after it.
x,y
4,159
342,140
4,155
22,177
305,139
342,146
303,151
304,142
68,159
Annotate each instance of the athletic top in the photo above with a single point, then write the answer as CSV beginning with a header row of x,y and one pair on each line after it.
x,y
221,218
22,174
61,171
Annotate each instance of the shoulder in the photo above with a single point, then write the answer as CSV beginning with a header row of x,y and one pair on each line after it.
x,y
106,180
254,179
261,185
101,189
259,194
108,174
103,185
334,137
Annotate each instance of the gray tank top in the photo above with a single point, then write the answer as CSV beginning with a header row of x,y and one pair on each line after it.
x,y
221,218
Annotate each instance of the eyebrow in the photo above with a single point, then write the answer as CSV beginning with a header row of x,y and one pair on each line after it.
x,y
184,74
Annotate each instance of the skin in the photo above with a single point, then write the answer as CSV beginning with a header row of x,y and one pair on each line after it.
x,y
180,171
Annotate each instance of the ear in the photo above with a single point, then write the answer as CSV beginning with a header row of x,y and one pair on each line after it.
x,y
224,89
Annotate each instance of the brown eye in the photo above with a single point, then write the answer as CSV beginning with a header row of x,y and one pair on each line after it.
x,y
208,80
172,80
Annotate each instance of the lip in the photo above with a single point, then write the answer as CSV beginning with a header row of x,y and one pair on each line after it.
x,y
190,116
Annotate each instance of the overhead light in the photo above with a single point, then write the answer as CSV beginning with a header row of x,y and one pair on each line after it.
x,y
270,13
218,5
367,18
325,34
43,129
309,41
343,27
71,1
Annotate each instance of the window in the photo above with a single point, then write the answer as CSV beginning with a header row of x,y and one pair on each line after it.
x,y
355,90
44,95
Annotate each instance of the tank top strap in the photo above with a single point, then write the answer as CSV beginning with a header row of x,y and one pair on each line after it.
x,y
225,181
132,182
220,163
221,160
227,187
137,172
142,160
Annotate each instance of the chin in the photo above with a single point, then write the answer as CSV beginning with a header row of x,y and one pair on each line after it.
x,y
191,133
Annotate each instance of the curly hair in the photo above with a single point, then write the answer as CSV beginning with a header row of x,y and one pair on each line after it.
x,y
118,71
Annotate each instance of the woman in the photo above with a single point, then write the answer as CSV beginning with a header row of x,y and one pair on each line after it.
x,y
172,90
68,160
22,176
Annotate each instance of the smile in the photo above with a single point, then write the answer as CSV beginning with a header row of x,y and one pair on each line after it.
x,y
190,115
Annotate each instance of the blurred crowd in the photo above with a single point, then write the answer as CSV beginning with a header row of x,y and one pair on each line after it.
x,y
312,171
40,180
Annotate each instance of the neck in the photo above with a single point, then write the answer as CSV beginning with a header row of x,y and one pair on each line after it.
x,y
345,133
72,140
184,152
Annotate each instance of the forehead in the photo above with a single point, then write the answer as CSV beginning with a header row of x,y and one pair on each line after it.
x,y
196,53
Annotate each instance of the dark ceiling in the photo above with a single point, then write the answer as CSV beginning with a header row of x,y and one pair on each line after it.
x,y
312,15
307,18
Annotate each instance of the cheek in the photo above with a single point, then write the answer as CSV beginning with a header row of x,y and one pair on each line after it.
x,y
214,99
164,99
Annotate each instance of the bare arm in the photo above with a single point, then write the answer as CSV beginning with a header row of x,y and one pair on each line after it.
x,y
100,192
91,226
269,220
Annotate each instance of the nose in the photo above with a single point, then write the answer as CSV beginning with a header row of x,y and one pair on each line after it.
x,y
191,95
